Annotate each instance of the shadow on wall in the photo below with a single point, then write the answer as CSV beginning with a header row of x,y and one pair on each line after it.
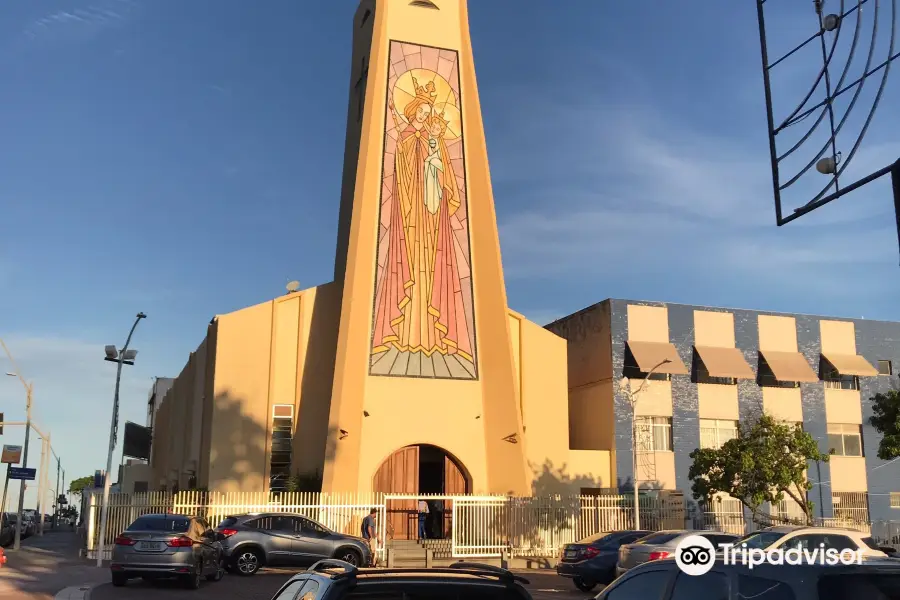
x,y
237,458
318,378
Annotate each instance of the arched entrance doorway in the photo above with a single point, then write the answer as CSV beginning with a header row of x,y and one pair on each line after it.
x,y
421,470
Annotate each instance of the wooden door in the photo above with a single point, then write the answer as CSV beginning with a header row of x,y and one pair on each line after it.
x,y
455,484
399,474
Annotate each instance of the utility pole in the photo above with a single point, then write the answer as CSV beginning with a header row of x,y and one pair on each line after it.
x,y
42,483
121,357
18,542
56,496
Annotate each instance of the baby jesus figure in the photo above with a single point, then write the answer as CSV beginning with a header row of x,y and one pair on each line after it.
x,y
434,166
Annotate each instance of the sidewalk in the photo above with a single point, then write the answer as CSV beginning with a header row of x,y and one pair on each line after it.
x,y
44,566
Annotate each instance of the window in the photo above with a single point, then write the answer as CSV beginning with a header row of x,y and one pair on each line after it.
x,y
885,367
765,377
812,541
659,538
763,589
654,434
228,522
845,439
649,584
895,499
141,487
711,586
148,523
701,374
714,433
282,446
302,589
834,380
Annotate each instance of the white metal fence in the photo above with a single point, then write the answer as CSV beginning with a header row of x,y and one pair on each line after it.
x,y
339,512
477,526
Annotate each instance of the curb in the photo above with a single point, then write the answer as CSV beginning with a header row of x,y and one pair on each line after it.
x,y
76,592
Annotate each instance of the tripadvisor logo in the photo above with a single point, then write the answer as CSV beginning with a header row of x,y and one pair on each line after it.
x,y
695,555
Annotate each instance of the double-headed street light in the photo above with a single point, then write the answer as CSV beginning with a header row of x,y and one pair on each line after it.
x,y
125,356
28,389
625,385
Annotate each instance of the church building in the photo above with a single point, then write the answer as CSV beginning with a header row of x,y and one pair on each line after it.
x,y
408,373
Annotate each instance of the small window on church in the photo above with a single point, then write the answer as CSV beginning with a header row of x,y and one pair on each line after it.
x,y
424,4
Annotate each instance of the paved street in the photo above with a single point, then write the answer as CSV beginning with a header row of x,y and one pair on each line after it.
x,y
545,585
44,566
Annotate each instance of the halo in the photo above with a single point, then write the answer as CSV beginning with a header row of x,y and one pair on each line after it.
x,y
453,118
404,90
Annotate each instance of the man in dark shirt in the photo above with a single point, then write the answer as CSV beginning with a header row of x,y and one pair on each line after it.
x,y
369,534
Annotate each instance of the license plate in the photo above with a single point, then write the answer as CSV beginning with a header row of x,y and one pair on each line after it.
x,y
571,553
149,546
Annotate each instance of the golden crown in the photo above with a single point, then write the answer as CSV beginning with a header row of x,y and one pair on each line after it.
x,y
426,93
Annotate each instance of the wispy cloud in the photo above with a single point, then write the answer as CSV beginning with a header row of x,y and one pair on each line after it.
x,y
609,191
79,23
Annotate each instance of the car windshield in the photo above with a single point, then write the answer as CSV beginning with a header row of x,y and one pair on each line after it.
x,y
167,524
598,539
760,539
658,538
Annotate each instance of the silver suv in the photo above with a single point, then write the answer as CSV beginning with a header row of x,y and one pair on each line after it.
x,y
166,546
252,541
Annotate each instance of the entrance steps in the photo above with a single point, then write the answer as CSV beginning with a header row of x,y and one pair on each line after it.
x,y
412,553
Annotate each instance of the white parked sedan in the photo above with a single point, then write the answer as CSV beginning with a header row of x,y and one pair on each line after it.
x,y
785,537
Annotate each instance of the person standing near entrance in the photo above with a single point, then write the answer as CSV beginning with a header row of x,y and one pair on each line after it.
x,y
369,534
423,516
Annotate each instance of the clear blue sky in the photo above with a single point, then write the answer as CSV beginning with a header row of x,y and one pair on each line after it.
x,y
183,158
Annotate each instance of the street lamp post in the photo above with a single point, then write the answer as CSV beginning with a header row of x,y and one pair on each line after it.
x,y
122,357
625,386
28,388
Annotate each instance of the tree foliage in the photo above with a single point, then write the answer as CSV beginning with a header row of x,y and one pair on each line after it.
x,y
77,486
765,463
886,421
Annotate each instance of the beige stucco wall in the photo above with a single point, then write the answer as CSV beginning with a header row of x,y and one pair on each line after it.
x,y
718,401
848,474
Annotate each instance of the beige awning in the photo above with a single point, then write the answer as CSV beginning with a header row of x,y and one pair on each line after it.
x,y
648,355
789,366
850,364
725,362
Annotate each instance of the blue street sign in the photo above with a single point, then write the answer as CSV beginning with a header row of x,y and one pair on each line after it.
x,y
20,473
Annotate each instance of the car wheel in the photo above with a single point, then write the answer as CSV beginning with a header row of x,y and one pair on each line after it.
x,y
584,586
350,556
119,579
247,562
192,581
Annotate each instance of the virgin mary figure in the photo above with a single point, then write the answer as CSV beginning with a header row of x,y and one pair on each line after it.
x,y
418,302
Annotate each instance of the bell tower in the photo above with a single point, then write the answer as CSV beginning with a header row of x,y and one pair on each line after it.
x,y
424,353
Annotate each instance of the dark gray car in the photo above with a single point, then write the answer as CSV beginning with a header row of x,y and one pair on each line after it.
x,y
662,544
252,541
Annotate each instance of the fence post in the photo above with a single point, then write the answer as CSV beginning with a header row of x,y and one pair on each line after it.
x,y
92,521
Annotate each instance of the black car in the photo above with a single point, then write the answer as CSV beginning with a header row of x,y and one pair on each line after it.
x,y
337,580
252,541
874,579
593,559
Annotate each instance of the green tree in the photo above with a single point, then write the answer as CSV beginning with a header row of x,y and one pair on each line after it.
x,y
765,463
886,421
77,486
